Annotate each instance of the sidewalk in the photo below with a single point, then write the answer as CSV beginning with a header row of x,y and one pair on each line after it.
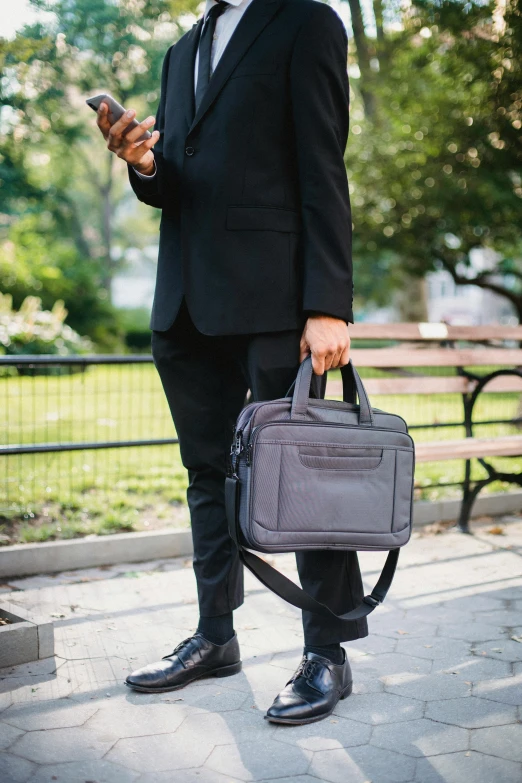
x,y
437,695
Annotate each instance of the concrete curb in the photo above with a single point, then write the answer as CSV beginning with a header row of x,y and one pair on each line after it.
x,y
26,639
55,556
426,512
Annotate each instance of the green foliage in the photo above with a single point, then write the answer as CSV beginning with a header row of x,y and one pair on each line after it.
x,y
36,260
31,330
135,324
434,157
56,177
436,174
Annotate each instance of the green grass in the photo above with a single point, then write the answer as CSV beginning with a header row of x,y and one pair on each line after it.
x,y
71,494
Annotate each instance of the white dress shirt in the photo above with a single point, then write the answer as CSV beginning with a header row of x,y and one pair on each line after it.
x,y
225,26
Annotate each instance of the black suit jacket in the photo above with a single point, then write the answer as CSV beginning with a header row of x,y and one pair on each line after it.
x,y
256,224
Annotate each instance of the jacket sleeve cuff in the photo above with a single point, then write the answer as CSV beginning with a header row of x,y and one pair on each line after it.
x,y
148,186
346,319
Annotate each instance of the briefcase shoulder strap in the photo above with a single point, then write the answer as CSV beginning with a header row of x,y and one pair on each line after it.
x,y
288,590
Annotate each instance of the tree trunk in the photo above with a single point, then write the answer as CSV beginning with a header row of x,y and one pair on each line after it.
x,y
107,227
363,57
411,299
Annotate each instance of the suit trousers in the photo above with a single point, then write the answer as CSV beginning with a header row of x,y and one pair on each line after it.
x,y
206,379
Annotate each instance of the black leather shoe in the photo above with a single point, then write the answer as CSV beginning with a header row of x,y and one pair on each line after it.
x,y
313,692
193,659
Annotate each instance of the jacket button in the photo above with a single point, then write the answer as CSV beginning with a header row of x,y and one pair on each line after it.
x,y
189,151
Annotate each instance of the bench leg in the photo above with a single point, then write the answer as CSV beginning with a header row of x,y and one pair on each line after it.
x,y
467,499
469,496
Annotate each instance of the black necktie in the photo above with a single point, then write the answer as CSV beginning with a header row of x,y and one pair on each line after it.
x,y
205,49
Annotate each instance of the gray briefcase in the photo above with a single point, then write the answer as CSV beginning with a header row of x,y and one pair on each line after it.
x,y
320,474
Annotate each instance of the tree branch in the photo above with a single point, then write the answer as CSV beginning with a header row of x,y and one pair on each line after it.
x,y
481,281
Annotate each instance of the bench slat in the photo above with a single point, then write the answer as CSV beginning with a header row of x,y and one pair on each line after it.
x,y
434,332
436,357
428,385
467,448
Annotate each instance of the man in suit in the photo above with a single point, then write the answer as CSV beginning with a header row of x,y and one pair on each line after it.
x,y
254,273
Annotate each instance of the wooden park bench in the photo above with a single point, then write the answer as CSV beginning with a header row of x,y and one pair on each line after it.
x,y
441,345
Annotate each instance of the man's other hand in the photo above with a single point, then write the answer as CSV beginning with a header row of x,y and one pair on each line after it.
x,y
137,153
328,341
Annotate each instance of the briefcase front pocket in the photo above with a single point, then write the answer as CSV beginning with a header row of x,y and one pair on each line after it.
x,y
330,490
335,458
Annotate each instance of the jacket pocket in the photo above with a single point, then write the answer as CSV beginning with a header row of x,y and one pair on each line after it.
x,y
263,219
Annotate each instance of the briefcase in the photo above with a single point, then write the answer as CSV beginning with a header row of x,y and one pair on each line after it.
x,y
309,474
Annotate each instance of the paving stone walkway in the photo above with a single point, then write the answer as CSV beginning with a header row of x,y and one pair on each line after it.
x,y
438,683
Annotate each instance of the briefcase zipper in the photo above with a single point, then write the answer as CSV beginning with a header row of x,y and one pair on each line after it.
x,y
235,451
249,454
250,446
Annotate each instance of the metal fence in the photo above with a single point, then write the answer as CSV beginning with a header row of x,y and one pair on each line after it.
x,y
78,430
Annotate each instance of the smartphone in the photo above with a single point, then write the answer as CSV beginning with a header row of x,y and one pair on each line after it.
x,y
115,112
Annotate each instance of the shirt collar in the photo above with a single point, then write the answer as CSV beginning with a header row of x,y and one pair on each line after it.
x,y
210,3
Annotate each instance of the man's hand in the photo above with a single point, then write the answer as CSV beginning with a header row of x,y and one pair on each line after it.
x,y
328,341
137,153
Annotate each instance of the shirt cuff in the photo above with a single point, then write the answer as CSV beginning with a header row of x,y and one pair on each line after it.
x,y
146,176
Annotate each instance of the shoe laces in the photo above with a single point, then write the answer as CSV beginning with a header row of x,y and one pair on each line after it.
x,y
179,647
306,669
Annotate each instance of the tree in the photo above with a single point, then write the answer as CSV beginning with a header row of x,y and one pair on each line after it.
x,y
50,152
435,170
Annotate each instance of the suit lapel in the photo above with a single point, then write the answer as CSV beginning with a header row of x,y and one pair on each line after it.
x,y
253,21
185,84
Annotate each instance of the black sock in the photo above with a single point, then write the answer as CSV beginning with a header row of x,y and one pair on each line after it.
x,y
334,652
218,630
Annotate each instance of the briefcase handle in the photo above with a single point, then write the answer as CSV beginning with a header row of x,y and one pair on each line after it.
x,y
350,377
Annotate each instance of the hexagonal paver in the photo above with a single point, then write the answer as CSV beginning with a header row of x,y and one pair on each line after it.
x,y
504,618
159,753
254,761
361,765
390,663
396,628
294,779
506,650
81,771
479,604
123,719
333,732
507,690
472,631
471,712
463,767
200,775
420,737
434,648
372,645
59,714
286,660
474,668
378,708
8,734
365,685
13,769
226,728
59,745
429,688
502,741
262,677
211,697
34,689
